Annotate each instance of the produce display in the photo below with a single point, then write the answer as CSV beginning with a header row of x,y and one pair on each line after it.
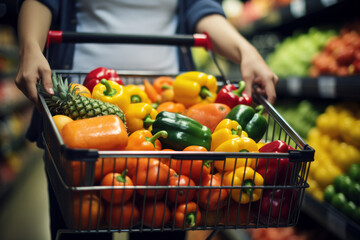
x,y
336,141
340,55
301,115
294,55
139,118
344,193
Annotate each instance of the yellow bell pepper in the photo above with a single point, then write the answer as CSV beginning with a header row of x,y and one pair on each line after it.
x,y
112,92
238,144
136,94
244,176
140,116
225,130
194,87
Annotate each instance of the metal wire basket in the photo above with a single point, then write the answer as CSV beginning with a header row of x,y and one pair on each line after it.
x,y
154,205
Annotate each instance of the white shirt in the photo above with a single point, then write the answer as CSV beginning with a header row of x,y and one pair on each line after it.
x,y
128,17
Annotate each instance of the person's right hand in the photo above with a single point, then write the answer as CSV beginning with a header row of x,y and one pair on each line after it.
x,y
33,67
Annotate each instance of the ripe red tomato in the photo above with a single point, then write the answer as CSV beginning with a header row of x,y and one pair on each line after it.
x,y
118,195
156,214
103,166
88,211
215,198
180,195
195,169
122,216
154,173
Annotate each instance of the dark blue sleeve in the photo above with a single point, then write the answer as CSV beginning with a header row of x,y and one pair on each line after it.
x,y
195,10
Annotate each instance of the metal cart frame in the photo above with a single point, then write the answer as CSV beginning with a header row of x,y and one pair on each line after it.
x,y
60,160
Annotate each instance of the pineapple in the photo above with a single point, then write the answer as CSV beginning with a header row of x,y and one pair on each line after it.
x,y
66,102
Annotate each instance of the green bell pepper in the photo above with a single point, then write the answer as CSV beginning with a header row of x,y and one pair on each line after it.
x,y
251,120
182,131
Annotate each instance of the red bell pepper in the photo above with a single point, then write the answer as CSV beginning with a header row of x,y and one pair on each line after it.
x,y
277,205
275,170
232,96
95,76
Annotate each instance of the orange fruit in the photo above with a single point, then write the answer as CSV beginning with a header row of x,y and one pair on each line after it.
x,y
81,89
61,121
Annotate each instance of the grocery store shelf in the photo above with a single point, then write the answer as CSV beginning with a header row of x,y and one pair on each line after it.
x,y
324,87
295,13
333,220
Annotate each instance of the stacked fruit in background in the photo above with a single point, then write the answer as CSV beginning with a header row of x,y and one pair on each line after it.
x,y
341,54
242,13
292,57
344,193
336,139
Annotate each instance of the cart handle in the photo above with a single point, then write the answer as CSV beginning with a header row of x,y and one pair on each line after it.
x,y
195,40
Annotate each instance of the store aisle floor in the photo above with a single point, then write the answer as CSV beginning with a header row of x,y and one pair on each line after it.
x,y
24,214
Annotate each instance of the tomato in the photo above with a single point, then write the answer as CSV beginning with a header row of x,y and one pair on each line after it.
x,y
122,216
156,214
118,195
180,195
104,166
167,161
88,211
77,169
194,169
187,215
212,199
154,173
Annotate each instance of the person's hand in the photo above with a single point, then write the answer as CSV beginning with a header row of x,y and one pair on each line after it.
x,y
254,71
33,66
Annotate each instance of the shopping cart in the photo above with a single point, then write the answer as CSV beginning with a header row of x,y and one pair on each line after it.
x,y
75,173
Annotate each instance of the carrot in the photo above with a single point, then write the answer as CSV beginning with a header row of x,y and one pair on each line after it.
x,y
162,83
102,133
151,92
208,114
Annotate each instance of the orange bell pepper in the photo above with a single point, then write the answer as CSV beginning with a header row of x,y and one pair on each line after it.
x,y
171,107
102,133
162,83
194,169
144,140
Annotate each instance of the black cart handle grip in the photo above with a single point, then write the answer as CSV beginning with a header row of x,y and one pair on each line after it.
x,y
195,40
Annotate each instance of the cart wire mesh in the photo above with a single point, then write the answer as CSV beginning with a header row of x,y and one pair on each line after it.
x,y
157,205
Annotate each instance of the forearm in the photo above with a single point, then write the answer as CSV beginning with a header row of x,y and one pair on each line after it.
x,y
33,25
225,38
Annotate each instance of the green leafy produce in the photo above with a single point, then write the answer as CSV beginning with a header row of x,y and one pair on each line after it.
x,y
293,56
